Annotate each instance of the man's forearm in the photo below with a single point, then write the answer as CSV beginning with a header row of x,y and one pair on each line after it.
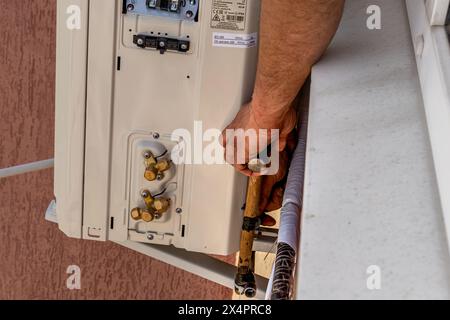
x,y
294,34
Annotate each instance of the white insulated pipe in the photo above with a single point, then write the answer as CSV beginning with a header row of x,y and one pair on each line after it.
x,y
26,168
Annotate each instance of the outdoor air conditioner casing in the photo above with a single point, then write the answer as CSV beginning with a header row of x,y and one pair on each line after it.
x,y
114,100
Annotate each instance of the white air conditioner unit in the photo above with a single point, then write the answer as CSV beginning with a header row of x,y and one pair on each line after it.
x,y
130,73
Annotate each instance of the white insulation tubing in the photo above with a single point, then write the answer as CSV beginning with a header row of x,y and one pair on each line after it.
x,y
293,198
26,168
289,232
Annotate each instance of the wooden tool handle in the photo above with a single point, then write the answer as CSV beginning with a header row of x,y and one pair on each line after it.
x,y
245,280
251,211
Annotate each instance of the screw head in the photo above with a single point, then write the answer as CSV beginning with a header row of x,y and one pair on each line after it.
x,y
150,236
147,154
140,41
145,194
156,136
130,7
184,46
179,210
189,14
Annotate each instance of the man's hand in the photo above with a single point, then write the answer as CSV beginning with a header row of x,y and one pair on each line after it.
x,y
247,120
285,62
273,185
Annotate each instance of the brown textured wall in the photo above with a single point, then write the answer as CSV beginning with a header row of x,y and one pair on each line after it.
x,y
34,255
27,69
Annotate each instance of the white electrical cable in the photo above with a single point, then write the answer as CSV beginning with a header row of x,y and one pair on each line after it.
x,y
26,168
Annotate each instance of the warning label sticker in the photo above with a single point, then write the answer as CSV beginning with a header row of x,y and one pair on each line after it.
x,y
229,14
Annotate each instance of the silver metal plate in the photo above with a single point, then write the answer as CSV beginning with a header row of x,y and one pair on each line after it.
x,y
174,9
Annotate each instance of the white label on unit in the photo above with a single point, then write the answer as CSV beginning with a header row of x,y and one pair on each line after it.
x,y
229,15
234,40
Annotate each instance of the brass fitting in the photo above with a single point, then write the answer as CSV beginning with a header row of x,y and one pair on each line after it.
x,y
136,214
148,198
154,208
161,205
154,169
162,165
151,174
147,216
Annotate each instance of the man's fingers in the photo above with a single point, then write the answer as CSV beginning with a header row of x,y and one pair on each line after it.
x,y
273,186
276,199
268,221
266,190
291,142
272,199
244,170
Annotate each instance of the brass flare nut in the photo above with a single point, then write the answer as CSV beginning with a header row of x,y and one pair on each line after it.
x,y
155,208
140,214
151,174
154,169
136,214
161,205
147,216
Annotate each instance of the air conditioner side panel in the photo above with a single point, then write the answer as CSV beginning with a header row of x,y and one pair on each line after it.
x,y
71,62
100,81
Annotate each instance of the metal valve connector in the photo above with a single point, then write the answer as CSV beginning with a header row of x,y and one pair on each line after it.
x,y
154,169
155,208
161,205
